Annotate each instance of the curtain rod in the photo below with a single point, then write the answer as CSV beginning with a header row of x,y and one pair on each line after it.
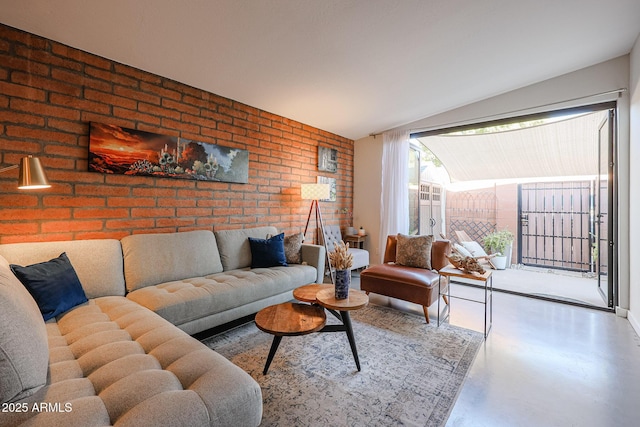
x,y
510,113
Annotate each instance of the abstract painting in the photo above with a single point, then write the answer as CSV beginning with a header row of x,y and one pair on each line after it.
x,y
333,192
117,150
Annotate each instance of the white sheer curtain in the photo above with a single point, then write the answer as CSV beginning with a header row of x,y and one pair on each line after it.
x,y
394,200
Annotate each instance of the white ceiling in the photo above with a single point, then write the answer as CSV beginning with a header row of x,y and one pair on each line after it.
x,y
352,67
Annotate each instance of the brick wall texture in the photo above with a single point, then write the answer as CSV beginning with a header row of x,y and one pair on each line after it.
x,y
49,93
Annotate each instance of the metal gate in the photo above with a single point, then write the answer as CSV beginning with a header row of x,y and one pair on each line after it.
x,y
557,225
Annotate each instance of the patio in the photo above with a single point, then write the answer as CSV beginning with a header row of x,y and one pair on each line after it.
x,y
557,284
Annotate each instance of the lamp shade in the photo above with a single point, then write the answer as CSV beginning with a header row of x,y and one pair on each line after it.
x,y
31,174
314,191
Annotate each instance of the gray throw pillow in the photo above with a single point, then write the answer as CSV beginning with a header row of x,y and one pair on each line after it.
x,y
292,248
24,350
414,251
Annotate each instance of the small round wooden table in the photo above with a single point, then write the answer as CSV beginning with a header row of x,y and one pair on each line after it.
x,y
288,319
356,300
324,295
307,293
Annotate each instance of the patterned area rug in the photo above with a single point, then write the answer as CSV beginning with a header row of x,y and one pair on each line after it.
x,y
411,372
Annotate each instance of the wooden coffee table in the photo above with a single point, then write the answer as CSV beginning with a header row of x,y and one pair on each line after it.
x,y
324,295
288,319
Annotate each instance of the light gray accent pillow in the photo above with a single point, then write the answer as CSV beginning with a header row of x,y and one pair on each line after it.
x,y
24,350
97,262
462,250
235,251
151,259
474,248
414,251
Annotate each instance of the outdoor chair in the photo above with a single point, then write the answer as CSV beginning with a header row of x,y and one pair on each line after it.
x,y
466,246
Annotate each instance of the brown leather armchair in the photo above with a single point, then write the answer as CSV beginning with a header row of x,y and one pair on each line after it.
x,y
417,285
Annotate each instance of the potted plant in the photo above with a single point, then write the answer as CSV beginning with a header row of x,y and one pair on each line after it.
x,y
499,242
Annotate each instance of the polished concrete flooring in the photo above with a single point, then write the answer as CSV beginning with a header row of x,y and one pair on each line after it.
x,y
560,284
544,364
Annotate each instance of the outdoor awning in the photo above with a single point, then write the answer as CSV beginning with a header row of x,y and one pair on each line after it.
x,y
563,148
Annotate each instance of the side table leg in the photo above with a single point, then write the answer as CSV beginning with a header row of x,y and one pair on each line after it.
x,y
272,352
346,320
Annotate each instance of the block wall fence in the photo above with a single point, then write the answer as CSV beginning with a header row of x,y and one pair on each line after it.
x,y
49,93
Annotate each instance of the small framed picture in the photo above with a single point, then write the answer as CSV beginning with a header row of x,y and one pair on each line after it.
x,y
327,159
333,192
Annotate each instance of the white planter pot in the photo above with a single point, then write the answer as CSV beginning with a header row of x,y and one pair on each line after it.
x,y
507,252
500,262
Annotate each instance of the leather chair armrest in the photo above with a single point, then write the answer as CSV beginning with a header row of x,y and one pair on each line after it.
x,y
439,252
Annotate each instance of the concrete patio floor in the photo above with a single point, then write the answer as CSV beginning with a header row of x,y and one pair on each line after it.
x,y
550,283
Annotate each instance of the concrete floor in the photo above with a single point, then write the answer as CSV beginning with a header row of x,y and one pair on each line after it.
x,y
564,285
544,364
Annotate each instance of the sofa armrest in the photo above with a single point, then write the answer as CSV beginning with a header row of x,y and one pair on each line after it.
x,y
314,256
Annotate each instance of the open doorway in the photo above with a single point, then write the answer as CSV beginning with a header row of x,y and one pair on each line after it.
x,y
550,181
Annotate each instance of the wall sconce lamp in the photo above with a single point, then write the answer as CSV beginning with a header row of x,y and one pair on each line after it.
x,y
31,175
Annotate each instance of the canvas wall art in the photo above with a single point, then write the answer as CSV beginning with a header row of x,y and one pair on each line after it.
x,y
333,191
327,159
117,150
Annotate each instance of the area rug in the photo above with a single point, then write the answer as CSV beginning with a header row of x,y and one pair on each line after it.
x,y
411,373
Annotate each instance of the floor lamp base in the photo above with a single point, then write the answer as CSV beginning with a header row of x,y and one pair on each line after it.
x,y
320,229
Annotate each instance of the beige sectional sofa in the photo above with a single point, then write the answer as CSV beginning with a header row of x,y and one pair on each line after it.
x,y
198,279
125,357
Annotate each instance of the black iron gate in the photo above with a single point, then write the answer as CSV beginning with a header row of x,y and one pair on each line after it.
x,y
557,225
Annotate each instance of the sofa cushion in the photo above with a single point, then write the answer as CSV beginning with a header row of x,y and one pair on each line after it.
x,y
417,285
53,284
24,350
97,262
150,259
234,248
462,250
187,300
267,253
360,258
414,251
474,249
393,273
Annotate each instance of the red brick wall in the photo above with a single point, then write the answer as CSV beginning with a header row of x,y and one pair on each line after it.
x,y
50,92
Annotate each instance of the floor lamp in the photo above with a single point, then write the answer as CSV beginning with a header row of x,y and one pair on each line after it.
x,y
31,175
316,192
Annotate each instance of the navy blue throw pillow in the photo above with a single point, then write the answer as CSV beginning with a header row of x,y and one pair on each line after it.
x,y
53,284
267,252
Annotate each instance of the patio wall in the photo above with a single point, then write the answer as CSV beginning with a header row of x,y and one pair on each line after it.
x,y
494,207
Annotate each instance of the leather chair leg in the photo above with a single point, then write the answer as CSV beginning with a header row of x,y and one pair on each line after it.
x,y
426,313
